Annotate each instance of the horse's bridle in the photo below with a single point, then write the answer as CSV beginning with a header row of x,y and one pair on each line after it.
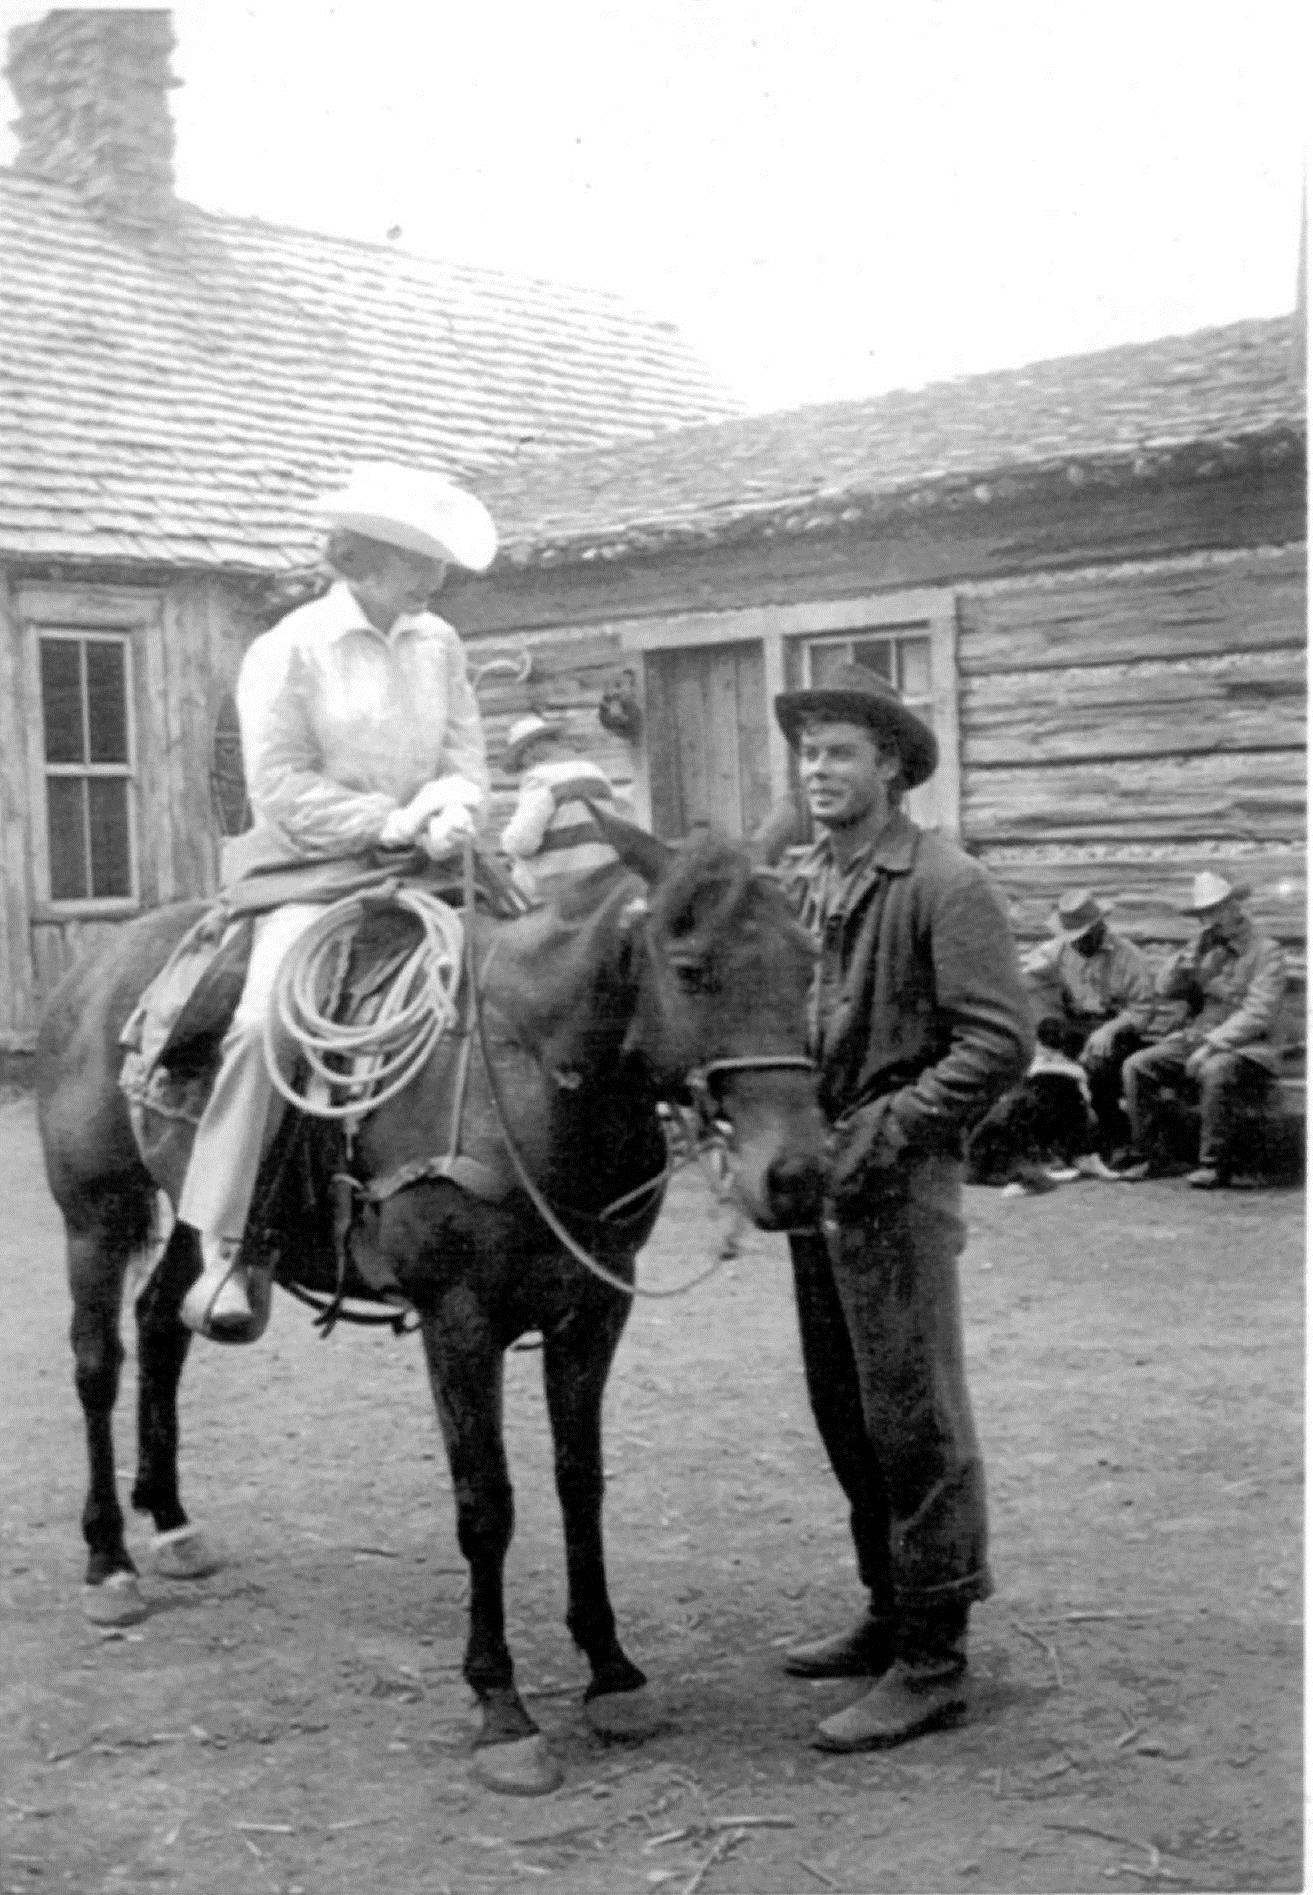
x,y
703,1078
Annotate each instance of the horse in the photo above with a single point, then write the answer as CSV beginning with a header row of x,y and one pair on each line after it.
x,y
670,967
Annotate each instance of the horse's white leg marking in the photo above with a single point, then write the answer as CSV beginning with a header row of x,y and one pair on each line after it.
x,y
524,1767
183,1553
117,1600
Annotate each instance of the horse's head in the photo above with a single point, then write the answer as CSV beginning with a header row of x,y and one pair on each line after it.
x,y
722,971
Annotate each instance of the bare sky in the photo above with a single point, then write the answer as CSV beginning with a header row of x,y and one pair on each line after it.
x,y
830,198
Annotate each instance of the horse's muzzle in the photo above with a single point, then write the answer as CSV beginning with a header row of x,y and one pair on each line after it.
x,y
777,1150
794,1194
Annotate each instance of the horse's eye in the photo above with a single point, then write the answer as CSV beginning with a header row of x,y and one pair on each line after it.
x,y
695,977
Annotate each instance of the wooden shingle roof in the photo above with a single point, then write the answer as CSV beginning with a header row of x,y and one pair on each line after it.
x,y
179,402
1171,408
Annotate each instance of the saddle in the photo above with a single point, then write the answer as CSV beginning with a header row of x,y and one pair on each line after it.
x,y
306,1209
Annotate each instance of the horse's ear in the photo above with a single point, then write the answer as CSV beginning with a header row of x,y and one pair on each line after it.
x,y
786,825
645,854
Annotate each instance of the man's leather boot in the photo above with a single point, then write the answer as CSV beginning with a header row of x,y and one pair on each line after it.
x,y
865,1651
922,1690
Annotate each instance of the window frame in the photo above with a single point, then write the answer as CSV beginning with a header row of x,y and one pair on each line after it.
x,y
784,631
82,617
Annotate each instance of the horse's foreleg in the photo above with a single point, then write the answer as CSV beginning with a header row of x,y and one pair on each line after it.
x,y
465,1370
97,1261
576,1360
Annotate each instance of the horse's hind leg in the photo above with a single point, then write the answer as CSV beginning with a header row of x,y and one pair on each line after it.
x,y
99,1246
180,1551
576,1360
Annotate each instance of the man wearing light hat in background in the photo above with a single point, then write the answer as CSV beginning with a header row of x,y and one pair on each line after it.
x,y
1094,1002
360,730
919,1021
1232,979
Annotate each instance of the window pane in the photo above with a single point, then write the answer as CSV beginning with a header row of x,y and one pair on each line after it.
x,y
111,862
914,667
823,661
877,654
66,838
61,699
107,707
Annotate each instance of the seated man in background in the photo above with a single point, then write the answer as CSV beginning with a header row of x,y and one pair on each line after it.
x,y
1093,994
1232,979
551,837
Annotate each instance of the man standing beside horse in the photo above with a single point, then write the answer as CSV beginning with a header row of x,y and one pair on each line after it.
x,y
919,1022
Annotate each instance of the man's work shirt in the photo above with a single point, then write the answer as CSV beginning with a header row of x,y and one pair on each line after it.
x,y
917,992
1237,988
1116,980
341,724
551,837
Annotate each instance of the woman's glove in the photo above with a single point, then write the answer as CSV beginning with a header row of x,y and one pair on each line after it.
x,y
396,832
864,1149
447,830
430,799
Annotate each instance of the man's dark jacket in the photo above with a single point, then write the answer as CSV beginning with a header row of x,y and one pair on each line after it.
x,y
919,1000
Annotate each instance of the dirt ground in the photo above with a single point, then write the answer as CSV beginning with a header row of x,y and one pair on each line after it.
x,y
298,1723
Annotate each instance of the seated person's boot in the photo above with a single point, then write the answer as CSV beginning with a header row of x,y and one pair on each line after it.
x,y
218,1305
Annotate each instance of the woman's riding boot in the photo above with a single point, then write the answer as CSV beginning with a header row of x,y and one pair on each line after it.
x,y
217,1305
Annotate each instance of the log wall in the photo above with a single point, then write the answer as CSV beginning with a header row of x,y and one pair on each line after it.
x,y
1125,728
1131,668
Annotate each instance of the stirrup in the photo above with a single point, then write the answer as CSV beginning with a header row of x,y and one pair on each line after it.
x,y
219,1305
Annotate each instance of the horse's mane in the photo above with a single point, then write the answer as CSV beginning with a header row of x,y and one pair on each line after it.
x,y
704,890
707,863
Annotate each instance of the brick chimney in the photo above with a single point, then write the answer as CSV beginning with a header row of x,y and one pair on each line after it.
x,y
92,88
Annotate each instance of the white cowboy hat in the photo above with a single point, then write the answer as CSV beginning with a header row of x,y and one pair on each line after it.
x,y
1210,891
522,733
421,512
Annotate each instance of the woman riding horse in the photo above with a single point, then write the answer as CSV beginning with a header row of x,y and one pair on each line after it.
x,y
359,729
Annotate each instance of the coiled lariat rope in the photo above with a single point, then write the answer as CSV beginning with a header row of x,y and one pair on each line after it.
x,y
360,1067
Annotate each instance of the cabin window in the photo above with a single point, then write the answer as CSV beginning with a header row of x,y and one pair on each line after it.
x,y
902,656
86,698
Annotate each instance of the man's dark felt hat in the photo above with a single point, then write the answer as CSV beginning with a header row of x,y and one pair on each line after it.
x,y
858,696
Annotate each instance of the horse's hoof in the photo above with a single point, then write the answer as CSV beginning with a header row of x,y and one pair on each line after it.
x,y
115,1601
522,1768
629,1714
183,1553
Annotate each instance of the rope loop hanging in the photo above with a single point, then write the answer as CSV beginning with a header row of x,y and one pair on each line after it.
x,y
352,1069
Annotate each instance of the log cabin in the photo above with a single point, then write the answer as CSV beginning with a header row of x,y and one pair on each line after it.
x,y
178,385
1090,573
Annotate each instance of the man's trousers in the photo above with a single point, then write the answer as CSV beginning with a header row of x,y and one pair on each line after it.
x,y
1230,1087
881,1325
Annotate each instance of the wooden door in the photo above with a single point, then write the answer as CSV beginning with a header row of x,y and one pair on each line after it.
x,y
706,736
